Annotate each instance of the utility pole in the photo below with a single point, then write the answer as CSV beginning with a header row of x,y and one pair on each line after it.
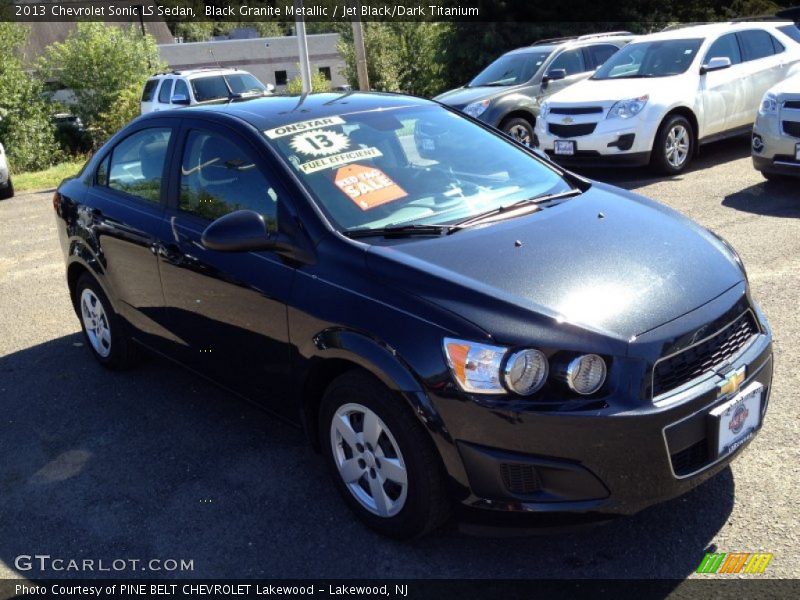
x,y
302,45
360,50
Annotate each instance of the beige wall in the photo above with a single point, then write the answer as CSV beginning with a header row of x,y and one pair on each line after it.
x,y
261,56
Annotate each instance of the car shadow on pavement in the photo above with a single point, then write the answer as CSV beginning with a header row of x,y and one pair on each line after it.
x,y
711,155
780,198
156,464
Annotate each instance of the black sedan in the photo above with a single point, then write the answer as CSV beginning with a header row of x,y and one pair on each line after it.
x,y
458,324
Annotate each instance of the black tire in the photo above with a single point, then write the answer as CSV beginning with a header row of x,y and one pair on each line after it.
x,y
774,177
122,351
8,190
659,158
518,128
426,506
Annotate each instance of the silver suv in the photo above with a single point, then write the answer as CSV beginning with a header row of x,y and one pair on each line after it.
x,y
508,92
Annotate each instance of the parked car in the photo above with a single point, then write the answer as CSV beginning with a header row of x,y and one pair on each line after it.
x,y
508,92
6,185
663,95
453,319
776,133
177,89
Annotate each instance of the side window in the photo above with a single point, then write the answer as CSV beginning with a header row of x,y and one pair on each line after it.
x,y
777,46
219,177
149,90
756,44
725,46
165,93
181,89
598,55
569,60
793,31
137,164
101,178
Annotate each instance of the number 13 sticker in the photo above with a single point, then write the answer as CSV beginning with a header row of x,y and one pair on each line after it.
x,y
319,142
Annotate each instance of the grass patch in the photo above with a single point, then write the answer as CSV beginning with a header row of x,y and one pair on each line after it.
x,y
47,179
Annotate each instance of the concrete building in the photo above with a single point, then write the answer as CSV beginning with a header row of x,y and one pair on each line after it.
x,y
273,60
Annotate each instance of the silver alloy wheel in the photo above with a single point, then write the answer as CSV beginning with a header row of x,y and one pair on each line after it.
x,y
369,460
95,321
520,133
676,147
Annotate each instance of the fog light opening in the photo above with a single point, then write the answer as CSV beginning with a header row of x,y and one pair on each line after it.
x,y
758,143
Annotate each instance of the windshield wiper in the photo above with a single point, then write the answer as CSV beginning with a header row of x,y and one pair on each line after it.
x,y
533,202
398,231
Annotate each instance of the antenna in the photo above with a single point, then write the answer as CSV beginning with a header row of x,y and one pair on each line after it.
x,y
214,58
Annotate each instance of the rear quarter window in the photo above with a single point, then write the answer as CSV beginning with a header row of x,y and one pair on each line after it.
x,y
793,31
149,90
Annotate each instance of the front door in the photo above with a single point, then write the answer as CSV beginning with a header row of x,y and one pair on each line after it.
x,y
723,91
227,309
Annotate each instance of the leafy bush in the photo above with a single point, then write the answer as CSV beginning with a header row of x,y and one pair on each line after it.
x,y
25,128
318,83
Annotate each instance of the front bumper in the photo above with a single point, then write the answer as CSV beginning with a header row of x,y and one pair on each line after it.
x,y
613,460
773,150
612,142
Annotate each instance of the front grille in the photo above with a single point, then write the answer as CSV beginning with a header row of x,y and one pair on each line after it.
x,y
793,104
520,479
568,131
576,110
792,128
672,372
690,459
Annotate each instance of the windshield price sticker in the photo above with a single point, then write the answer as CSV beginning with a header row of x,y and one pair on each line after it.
x,y
319,142
329,162
301,126
368,187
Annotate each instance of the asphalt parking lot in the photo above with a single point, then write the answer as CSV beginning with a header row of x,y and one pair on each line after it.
x,y
156,464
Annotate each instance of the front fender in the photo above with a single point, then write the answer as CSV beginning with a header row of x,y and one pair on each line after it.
x,y
515,102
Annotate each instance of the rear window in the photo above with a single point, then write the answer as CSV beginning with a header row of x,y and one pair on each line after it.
x,y
793,31
149,90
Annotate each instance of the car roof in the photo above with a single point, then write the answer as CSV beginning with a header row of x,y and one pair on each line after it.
x,y
709,29
570,42
196,72
275,111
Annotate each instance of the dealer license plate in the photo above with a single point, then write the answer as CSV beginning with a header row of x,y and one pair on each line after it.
x,y
565,147
738,418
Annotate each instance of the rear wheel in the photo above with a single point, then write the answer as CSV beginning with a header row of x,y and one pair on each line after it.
x,y
520,129
105,332
382,461
8,190
674,145
770,176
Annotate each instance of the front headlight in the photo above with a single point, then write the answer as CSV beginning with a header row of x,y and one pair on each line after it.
x,y
769,105
476,109
525,371
476,367
625,109
586,374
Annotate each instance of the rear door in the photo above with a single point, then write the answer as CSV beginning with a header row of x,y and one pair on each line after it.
x,y
763,68
149,96
723,92
573,62
228,309
164,95
125,212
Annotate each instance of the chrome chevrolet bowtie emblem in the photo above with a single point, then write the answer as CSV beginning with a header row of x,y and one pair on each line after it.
x,y
732,383
567,120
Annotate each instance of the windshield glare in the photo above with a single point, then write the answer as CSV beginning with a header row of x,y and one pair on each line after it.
x,y
412,165
650,59
243,83
215,87
510,69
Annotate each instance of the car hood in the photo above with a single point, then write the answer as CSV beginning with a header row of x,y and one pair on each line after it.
x,y
607,261
604,91
460,97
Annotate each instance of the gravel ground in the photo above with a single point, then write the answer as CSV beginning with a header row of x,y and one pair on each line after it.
x,y
155,464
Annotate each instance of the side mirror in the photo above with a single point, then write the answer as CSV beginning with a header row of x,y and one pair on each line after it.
x,y
180,99
554,75
715,64
270,88
239,231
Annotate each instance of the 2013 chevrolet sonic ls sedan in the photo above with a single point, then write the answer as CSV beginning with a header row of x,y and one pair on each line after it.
x,y
457,323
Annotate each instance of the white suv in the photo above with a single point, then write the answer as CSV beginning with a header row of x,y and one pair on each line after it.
x,y
197,86
661,96
6,187
776,133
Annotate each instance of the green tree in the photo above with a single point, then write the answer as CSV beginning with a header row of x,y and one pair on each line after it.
x,y
25,128
318,83
98,62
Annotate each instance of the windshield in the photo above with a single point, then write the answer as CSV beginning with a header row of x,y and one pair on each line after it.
x,y
510,69
650,59
408,166
215,87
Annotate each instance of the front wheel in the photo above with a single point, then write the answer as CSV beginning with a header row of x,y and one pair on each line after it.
x,y
519,129
7,191
674,145
382,461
